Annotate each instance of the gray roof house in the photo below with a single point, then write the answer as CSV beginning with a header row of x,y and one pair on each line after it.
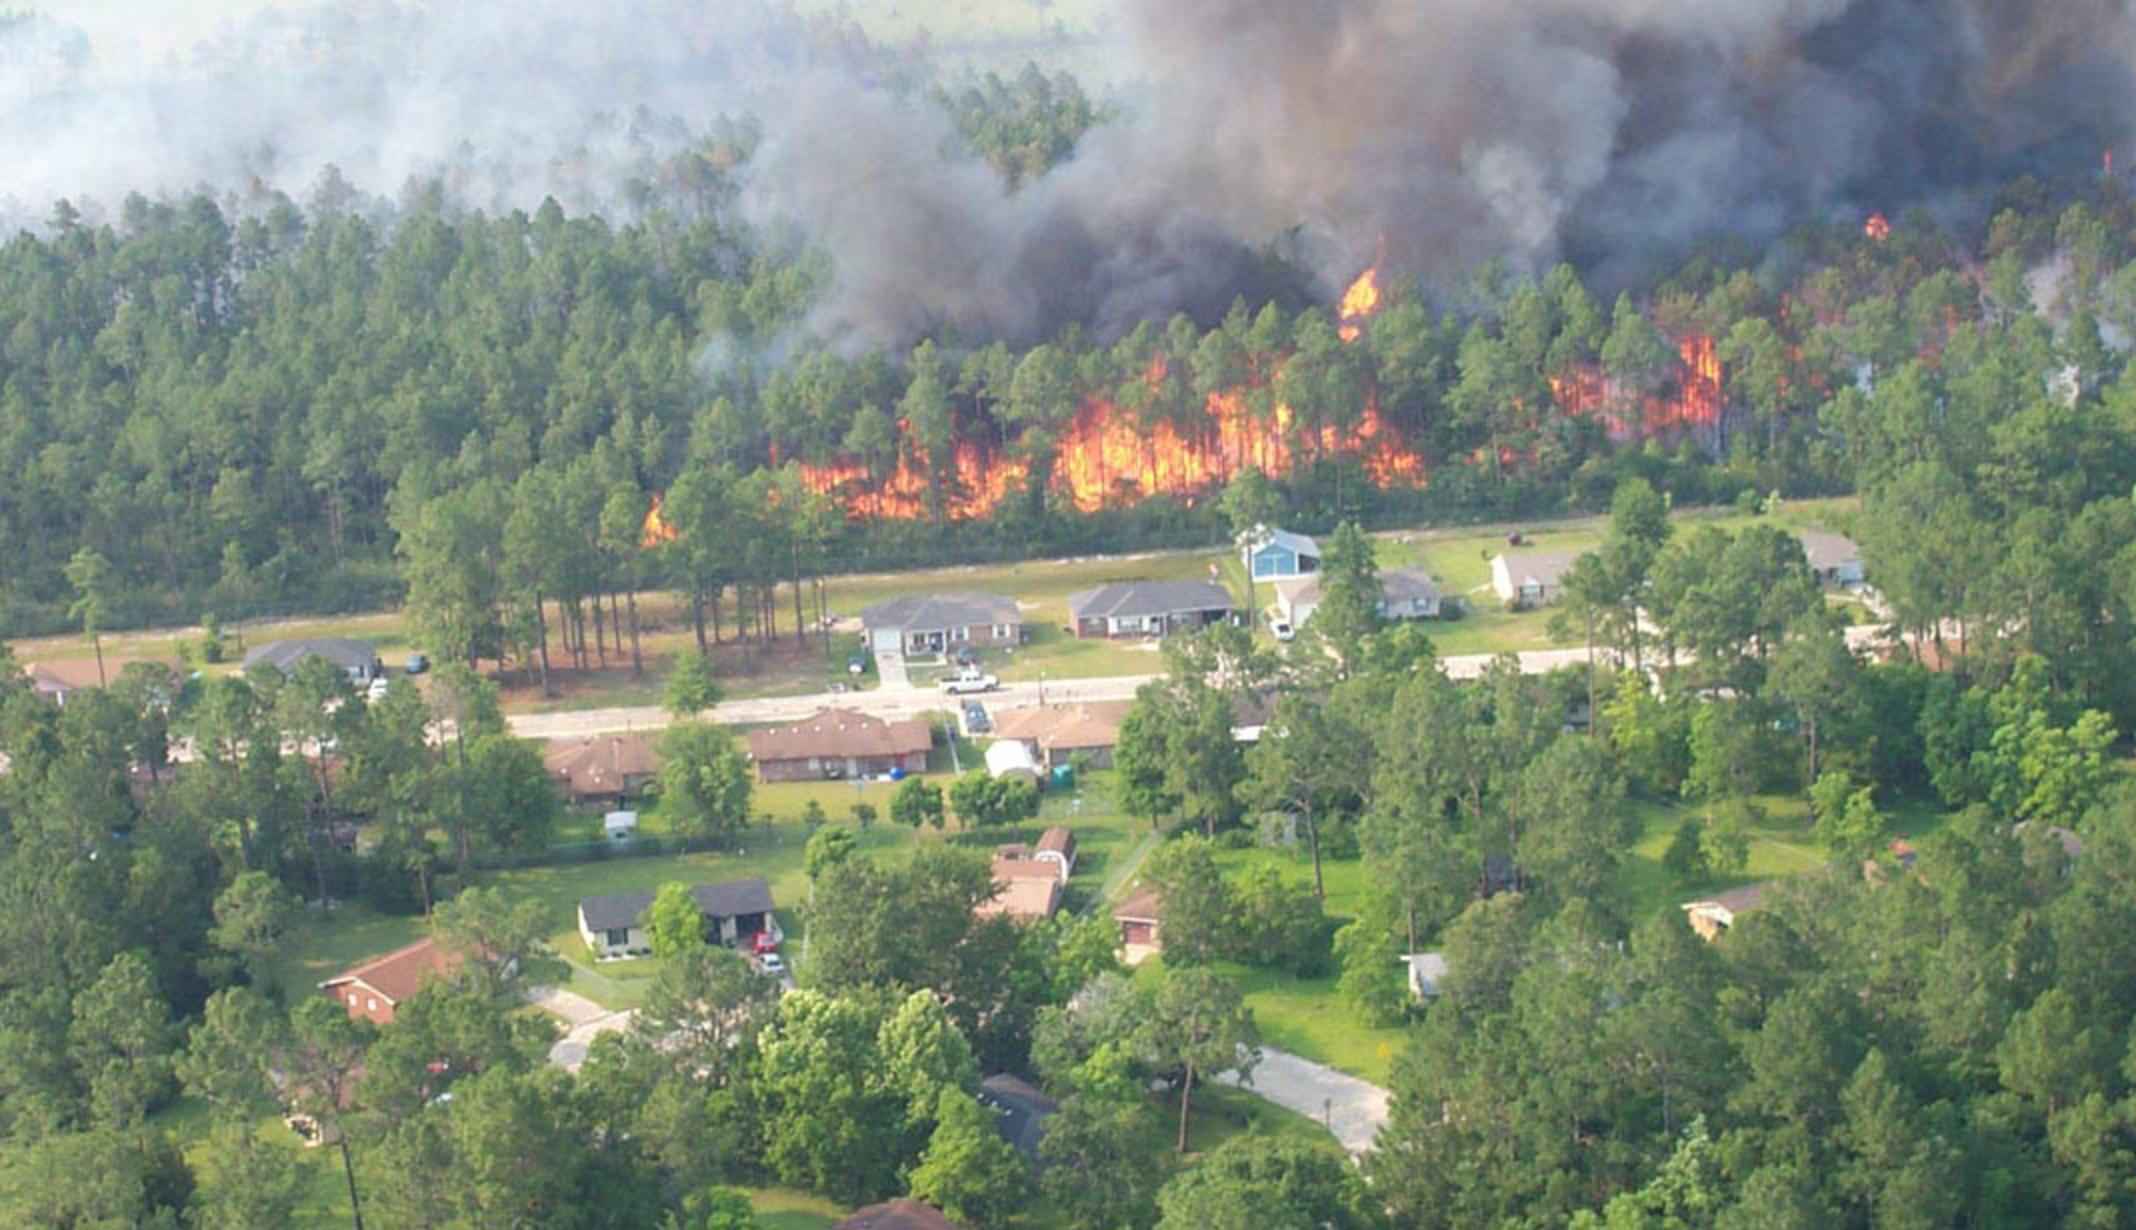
x,y
1530,578
1149,608
614,923
932,623
358,658
1405,593
1834,559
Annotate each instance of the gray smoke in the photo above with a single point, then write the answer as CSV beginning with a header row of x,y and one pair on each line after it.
x,y
1255,136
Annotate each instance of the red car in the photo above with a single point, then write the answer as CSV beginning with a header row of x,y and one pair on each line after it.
x,y
761,943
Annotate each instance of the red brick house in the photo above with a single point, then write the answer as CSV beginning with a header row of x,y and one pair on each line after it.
x,y
840,743
372,990
603,767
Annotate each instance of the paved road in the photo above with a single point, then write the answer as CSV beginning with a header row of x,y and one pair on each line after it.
x,y
910,703
1354,1110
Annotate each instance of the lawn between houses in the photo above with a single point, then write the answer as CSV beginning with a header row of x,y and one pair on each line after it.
x,y
1457,556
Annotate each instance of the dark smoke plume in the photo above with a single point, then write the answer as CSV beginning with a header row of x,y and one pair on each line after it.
x,y
1433,133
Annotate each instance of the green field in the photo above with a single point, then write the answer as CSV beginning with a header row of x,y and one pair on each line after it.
x,y
1458,557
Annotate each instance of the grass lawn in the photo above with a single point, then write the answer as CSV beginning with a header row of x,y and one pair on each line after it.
x,y
1457,556
324,1194
780,1209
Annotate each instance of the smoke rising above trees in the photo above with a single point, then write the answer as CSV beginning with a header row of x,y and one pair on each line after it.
x,y
1253,136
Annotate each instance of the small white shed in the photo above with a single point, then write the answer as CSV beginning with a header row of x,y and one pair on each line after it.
x,y
620,824
1426,971
1011,758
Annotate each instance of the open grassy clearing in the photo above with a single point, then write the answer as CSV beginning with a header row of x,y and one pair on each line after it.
x,y
324,1195
789,666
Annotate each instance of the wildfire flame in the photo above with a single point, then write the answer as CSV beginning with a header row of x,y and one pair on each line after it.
x,y
657,530
1878,227
1359,302
1695,401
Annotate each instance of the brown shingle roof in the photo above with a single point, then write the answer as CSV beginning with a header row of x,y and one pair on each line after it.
x,y
1024,896
839,733
1057,840
1093,724
402,972
1142,905
897,1215
602,764
55,677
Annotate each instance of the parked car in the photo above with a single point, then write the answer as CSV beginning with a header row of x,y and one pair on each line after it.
x,y
967,656
377,690
975,720
966,684
1281,629
772,963
417,664
857,664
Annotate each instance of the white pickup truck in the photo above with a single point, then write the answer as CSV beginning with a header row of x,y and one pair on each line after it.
x,y
965,684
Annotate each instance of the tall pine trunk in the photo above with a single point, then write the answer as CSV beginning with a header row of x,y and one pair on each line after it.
x,y
637,659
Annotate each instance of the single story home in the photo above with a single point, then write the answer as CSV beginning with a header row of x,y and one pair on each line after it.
x,y
840,743
56,681
1427,970
1713,915
603,767
1530,578
937,623
1141,921
1054,733
358,659
1271,555
1010,758
1025,890
372,990
1149,608
1834,559
1405,593
1020,1111
735,913
897,1215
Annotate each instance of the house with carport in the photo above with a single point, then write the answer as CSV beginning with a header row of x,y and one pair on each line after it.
x,y
1149,608
736,913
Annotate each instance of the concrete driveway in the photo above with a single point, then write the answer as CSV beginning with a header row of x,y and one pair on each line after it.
x,y
583,1021
1354,1110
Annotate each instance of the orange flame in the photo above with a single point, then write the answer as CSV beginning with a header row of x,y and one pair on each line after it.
x,y
1359,302
1878,227
1696,401
657,529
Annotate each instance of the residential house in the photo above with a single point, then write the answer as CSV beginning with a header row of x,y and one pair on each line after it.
x,y
897,1215
1405,593
56,681
1055,733
1279,554
1020,1111
1834,559
1713,915
603,768
1149,608
1530,578
735,914
939,623
1427,973
840,743
1025,890
371,991
1141,921
1011,758
359,659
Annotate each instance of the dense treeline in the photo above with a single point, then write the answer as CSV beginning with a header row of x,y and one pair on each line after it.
x,y
245,405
